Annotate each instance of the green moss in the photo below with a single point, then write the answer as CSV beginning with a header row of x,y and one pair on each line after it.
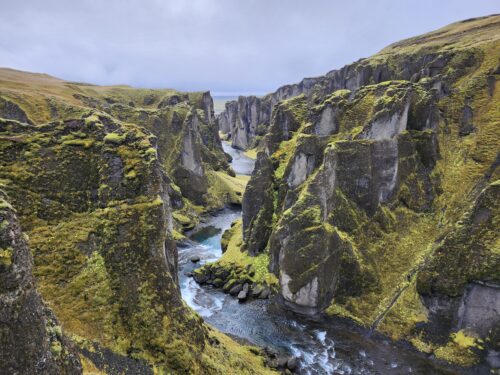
x,y
6,256
251,153
56,348
131,174
225,189
283,156
4,224
227,356
86,143
115,138
458,350
234,257
5,205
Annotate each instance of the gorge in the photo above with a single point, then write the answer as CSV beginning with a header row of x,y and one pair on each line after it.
x,y
347,224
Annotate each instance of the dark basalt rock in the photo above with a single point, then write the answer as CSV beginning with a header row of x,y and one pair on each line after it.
x,y
12,111
243,117
258,206
242,296
195,259
291,363
235,290
31,339
466,125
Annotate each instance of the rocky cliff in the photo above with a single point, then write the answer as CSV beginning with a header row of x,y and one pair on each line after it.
x,y
375,193
248,119
31,339
94,182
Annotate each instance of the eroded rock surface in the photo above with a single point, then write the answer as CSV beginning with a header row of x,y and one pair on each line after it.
x,y
31,339
384,189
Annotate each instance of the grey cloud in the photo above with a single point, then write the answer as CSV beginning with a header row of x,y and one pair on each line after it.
x,y
222,45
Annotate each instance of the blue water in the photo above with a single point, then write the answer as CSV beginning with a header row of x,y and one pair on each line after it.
x,y
241,163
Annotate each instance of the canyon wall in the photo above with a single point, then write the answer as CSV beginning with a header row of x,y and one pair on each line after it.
x,y
375,191
100,178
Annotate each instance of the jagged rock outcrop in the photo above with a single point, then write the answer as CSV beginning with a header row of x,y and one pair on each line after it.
x,y
258,207
248,118
188,142
94,202
365,168
187,139
31,339
93,198
373,166
94,190
244,120
461,282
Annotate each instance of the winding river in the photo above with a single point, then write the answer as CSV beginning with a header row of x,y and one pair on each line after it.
x,y
322,348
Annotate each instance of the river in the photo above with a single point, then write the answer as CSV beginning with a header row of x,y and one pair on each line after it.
x,y
322,348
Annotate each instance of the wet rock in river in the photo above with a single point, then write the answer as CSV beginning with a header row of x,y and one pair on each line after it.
x,y
200,278
265,293
235,290
242,296
218,283
256,290
282,361
195,259
291,364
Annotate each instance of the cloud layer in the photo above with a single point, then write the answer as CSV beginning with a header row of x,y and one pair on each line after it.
x,y
226,46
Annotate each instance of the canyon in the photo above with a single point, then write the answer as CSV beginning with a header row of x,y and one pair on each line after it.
x,y
138,234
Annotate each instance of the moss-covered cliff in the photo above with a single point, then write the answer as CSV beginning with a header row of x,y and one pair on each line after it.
x,y
31,338
375,193
93,193
187,138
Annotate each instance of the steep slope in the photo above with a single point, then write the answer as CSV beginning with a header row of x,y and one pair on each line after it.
x,y
375,194
247,119
93,197
188,143
30,336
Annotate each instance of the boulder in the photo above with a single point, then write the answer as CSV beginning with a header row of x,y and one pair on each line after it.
x,y
242,296
265,293
218,283
200,277
291,364
256,290
282,361
235,290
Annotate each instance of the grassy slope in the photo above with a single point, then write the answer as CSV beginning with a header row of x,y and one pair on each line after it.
x,y
409,238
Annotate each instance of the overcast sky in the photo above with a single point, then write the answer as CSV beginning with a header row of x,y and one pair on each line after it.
x,y
226,46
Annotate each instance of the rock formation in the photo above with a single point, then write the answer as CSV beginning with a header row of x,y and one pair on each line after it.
x,y
375,192
247,119
93,178
31,339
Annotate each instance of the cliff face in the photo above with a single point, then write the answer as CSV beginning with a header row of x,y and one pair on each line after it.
x,y
188,143
94,202
248,118
30,337
93,195
366,186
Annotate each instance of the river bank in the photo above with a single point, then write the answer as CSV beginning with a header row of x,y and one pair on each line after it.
x,y
322,346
